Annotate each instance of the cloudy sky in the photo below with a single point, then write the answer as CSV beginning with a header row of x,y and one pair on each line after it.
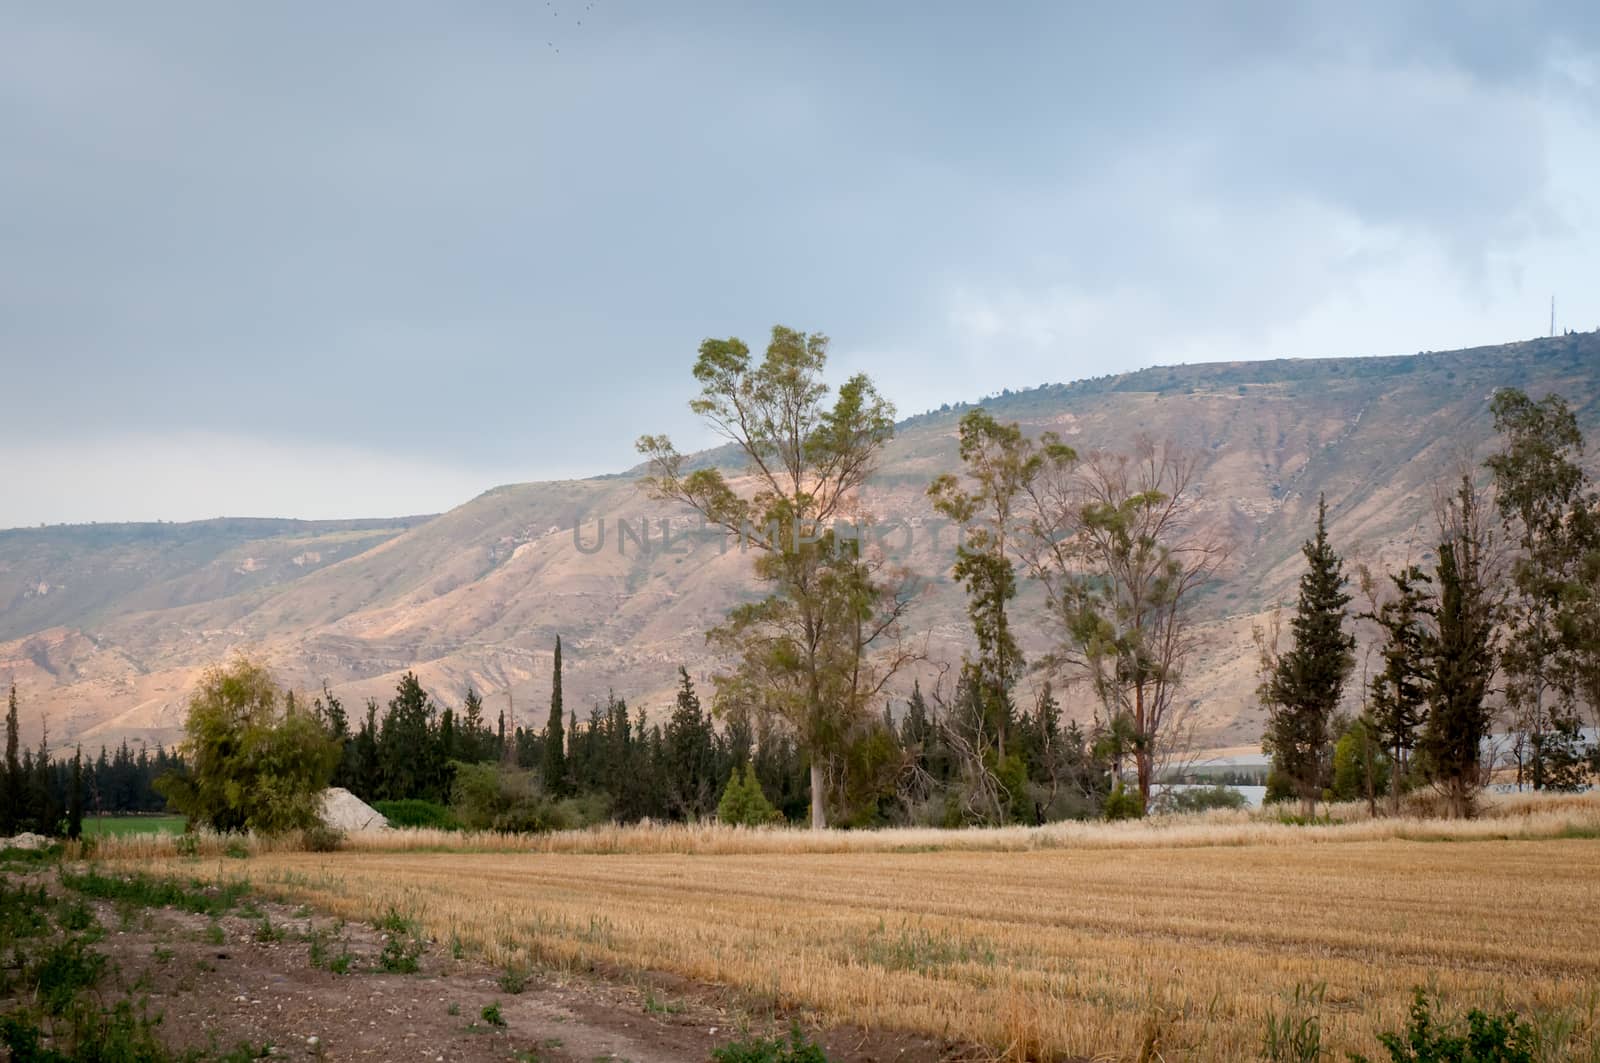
x,y
365,259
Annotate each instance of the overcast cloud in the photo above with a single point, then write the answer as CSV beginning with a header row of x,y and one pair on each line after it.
x,y
370,259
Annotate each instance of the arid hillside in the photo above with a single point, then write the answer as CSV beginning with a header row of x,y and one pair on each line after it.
x,y
105,628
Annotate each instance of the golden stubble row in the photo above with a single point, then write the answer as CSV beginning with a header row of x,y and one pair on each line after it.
x,y
1046,952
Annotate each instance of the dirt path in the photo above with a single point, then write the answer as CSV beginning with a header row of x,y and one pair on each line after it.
x,y
249,976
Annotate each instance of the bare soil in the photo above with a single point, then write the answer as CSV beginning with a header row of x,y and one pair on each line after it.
x,y
221,982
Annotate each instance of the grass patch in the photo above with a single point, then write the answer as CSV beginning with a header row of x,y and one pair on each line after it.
x,y
417,813
655,1005
796,1048
118,826
148,891
265,933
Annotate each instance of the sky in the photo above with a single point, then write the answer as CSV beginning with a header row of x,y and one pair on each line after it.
x,y
371,259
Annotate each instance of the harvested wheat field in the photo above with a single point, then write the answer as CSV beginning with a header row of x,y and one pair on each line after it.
x,y
1126,953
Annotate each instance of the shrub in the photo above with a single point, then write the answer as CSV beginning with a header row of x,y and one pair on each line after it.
x,y
514,979
1487,1038
743,803
321,839
401,946
414,812
486,797
62,970
1122,803
491,1015
797,1048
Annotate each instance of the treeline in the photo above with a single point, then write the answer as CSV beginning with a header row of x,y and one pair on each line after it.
x,y
430,765
49,795
612,764
1508,611
1502,614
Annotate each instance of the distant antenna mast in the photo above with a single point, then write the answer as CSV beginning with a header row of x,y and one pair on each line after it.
x,y
1552,315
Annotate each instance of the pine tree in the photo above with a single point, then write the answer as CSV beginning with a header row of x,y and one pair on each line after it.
x,y
365,779
411,759
555,747
915,725
743,803
1305,686
46,812
1399,691
1463,654
474,737
75,798
1044,763
14,784
688,750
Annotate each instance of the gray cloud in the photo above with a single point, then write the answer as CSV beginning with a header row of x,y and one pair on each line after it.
x,y
429,236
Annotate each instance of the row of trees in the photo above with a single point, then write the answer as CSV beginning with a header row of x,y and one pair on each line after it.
x,y
1109,538
1111,542
614,763
50,795
1512,612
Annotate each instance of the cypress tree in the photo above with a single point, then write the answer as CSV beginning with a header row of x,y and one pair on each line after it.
x,y
13,783
75,798
1463,662
1399,691
474,735
42,799
914,726
1306,684
555,748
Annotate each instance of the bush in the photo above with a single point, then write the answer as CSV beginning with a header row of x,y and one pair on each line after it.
x,y
797,1048
402,948
1122,803
743,803
486,797
321,839
1487,1038
414,812
1280,787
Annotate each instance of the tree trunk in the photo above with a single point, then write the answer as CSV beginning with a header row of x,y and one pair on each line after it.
x,y
1394,782
819,806
1366,757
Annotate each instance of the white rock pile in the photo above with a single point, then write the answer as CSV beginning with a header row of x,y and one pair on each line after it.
x,y
344,811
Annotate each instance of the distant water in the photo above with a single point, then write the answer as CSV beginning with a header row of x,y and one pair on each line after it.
x,y
1253,795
